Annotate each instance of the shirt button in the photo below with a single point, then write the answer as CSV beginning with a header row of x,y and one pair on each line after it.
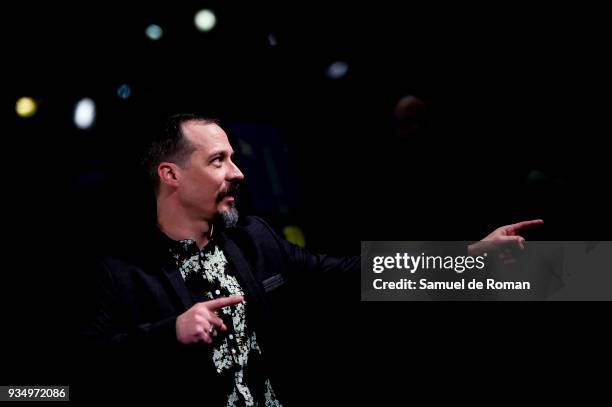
x,y
233,350
231,336
217,292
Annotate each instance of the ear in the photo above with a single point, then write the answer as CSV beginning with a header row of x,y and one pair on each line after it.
x,y
169,173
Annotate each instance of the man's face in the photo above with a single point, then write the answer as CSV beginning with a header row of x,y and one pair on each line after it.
x,y
209,179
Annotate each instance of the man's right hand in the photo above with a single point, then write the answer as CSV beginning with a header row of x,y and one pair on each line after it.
x,y
201,322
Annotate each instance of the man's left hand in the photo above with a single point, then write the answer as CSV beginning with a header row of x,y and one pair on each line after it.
x,y
504,237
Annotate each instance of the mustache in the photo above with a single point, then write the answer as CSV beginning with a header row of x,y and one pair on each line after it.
x,y
232,190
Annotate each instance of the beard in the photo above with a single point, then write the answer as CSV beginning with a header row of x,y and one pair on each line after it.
x,y
229,218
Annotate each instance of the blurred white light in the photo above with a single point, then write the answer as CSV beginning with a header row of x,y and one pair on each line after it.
x,y
154,32
272,40
26,107
205,20
124,91
84,113
337,70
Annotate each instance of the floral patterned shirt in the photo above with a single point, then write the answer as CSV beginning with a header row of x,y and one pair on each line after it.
x,y
235,353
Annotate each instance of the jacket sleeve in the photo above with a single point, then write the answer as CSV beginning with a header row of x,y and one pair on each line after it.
x,y
303,260
103,324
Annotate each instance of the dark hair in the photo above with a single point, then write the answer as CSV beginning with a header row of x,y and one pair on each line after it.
x,y
171,145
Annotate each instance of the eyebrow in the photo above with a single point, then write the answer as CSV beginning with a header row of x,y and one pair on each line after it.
x,y
221,152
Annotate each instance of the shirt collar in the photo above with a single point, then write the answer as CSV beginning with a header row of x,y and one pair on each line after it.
x,y
182,250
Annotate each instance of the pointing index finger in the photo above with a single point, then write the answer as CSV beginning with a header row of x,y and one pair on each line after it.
x,y
517,227
218,303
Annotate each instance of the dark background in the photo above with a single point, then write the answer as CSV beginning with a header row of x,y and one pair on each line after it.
x,y
508,90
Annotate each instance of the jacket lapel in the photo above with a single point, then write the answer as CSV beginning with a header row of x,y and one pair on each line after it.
x,y
169,272
239,264
174,277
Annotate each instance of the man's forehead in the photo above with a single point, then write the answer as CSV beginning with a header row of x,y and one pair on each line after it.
x,y
205,135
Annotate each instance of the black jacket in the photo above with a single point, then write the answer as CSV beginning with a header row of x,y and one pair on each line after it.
x,y
139,296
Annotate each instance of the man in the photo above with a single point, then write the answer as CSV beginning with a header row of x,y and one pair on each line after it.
x,y
206,284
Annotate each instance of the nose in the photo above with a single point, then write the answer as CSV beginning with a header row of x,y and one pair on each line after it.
x,y
235,174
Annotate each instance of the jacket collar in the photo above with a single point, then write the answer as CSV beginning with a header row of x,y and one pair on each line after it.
x,y
235,257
